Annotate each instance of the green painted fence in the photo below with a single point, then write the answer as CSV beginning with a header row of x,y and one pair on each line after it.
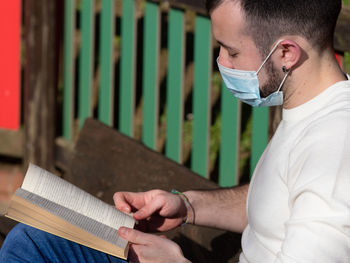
x,y
175,78
149,70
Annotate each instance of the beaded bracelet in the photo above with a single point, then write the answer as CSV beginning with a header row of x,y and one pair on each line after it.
x,y
187,203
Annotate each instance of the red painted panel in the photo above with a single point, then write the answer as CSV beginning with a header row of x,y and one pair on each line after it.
x,y
10,13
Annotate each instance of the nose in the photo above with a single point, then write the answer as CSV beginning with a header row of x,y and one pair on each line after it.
x,y
223,58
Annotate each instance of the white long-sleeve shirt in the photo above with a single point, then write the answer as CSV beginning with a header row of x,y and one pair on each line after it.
x,y
298,203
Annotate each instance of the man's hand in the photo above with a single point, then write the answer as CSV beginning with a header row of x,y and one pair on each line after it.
x,y
155,210
158,210
151,248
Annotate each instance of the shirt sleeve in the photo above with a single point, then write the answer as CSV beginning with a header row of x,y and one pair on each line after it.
x,y
318,229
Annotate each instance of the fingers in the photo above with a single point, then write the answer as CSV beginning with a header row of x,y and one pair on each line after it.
x,y
134,236
150,208
146,204
148,248
126,201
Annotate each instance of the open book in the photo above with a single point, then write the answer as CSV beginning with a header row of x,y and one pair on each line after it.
x,y
52,204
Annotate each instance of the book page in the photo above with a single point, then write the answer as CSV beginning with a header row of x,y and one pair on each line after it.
x,y
28,213
90,225
63,193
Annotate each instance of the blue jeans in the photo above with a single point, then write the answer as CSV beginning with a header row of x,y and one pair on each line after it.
x,y
26,244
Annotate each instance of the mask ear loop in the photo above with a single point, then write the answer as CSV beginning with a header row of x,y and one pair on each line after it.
x,y
287,71
269,55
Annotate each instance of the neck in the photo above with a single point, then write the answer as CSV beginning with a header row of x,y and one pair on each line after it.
x,y
311,77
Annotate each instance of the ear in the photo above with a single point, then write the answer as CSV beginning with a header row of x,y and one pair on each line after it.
x,y
290,53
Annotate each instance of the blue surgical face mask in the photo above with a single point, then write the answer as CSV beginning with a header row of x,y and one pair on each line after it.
x,y
245,85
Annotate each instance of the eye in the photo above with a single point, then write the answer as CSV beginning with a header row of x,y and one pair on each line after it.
x,y
233,55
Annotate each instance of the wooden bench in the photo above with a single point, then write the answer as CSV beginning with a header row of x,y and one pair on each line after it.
x,y
105,161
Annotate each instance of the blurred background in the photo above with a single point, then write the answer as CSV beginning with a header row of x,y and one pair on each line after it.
x,y
145,68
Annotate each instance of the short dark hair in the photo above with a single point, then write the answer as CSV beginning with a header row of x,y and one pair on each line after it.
x,y
268,20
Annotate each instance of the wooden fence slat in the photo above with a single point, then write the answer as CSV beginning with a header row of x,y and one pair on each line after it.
x,y
259,134
230,135
150,75
176,40
127,68
201,96
41,23
68,69
10,26
105,105
86,61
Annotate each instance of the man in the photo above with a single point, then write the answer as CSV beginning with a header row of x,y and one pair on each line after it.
x,y
297,206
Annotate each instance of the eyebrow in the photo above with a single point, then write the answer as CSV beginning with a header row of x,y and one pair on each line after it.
x,y
226,46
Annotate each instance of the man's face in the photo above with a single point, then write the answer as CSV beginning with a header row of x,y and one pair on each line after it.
x,y
237,48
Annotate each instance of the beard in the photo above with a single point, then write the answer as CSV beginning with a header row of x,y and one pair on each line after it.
x,y
273,82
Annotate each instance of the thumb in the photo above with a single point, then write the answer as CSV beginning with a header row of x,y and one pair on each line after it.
x,y
134,236
148,209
